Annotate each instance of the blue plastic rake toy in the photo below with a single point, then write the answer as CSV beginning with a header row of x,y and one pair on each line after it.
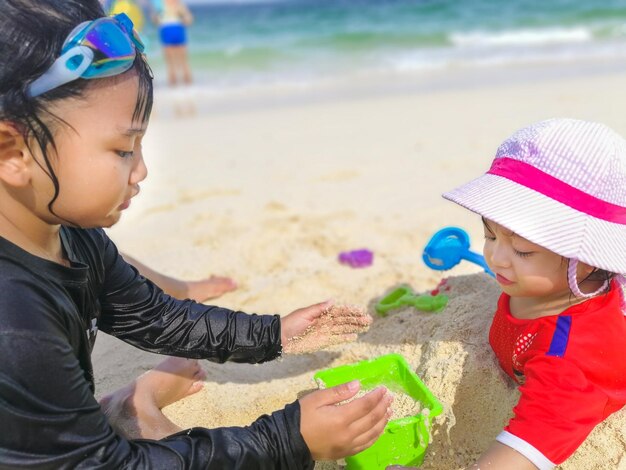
x,y
448,247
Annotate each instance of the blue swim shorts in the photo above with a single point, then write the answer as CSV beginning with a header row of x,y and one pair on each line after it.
x,y
173,34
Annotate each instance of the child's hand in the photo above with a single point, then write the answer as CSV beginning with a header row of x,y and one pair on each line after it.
x,y
321,325
334,431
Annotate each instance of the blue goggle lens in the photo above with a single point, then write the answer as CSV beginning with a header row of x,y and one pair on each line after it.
x,y
113,41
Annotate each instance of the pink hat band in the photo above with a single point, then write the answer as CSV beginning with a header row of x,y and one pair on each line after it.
x,y
533,178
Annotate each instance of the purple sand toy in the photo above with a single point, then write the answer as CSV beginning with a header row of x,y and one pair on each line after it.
x,y
357,258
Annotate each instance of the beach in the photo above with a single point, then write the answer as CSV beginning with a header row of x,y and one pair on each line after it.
x,y
269,186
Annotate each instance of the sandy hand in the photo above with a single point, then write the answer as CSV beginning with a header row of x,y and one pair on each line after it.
x,y
321,325
354,426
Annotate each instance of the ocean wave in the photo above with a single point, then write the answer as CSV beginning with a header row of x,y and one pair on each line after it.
x,y
523,37
414,61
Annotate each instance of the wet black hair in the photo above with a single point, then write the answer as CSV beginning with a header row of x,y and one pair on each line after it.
x,y
32,33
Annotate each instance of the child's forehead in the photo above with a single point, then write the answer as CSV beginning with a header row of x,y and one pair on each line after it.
x,y
110,107
501,229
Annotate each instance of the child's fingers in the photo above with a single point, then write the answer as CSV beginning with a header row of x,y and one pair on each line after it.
x,y
364,406
370,420
370,436
341,338
362,320
348,311
345,329
317,342
334,395
316,310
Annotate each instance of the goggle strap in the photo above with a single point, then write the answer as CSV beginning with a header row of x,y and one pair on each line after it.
x,y
60,72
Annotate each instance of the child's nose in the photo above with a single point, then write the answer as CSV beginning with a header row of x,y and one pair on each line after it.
x,y
140,171
498,255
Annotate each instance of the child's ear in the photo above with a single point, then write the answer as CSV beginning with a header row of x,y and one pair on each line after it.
x,y
14,156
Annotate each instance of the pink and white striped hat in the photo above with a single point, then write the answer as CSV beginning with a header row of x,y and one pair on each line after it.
x,y
561,184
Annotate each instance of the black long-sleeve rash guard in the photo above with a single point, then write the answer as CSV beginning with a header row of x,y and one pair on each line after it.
x,y
49,317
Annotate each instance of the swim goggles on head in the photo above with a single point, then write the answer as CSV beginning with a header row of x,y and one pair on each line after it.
x,y
94,49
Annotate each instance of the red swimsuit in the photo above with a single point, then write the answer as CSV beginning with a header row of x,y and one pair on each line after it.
x,y
571,369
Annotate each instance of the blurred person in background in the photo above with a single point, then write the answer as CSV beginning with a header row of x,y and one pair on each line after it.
x,y
172,18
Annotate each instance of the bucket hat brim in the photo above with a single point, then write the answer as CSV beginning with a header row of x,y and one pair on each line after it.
x,y
544,221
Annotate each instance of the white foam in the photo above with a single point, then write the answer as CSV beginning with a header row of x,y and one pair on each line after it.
x,y
529,37
511,54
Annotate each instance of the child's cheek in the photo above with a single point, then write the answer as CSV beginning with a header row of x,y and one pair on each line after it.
x,y
487,254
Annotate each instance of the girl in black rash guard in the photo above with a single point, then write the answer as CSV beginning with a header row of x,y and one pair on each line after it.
x,y
75,98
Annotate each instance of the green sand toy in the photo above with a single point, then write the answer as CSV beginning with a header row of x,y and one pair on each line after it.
x,y
404,440
403,295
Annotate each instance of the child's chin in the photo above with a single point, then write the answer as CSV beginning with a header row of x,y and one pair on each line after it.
x,y
511,290
111,220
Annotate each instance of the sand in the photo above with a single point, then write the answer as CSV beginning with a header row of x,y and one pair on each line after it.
x,y
402,406
269,192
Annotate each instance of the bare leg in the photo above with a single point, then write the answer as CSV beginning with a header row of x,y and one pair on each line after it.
x,y
170,61
135,410
188,106
204,289
182,60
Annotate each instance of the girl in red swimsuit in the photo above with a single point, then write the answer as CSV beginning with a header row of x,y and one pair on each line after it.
x,y
553,205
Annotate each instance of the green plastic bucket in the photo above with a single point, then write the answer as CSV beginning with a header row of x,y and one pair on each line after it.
x,y
404,441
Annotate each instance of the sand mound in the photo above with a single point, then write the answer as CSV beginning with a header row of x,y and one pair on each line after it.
x,y
448,350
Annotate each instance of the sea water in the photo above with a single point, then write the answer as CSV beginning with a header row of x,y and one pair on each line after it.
x,y
239,43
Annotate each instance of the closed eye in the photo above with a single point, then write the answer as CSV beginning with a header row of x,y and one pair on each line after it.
x,y
522,254
125,154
